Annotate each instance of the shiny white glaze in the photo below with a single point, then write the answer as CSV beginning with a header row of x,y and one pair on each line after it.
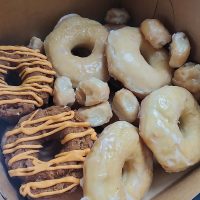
x,y
127,64
125,105
63,93
170,127
155,33
69,33
92,92
97,115
118,147
188,76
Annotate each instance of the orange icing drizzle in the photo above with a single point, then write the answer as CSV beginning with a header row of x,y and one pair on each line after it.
x,y
52,124
31,86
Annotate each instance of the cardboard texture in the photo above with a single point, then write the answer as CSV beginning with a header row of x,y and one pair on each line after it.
x,y
22,19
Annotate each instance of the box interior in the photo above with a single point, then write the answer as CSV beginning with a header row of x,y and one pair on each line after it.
x,y
22,19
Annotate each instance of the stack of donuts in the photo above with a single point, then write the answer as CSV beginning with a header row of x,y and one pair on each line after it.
x,y
90,115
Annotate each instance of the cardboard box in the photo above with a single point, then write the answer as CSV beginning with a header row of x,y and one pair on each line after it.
x,y
21,19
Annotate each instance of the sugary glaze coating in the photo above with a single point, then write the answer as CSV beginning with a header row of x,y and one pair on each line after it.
x,y
169,126
117,148
125,105
63,93
155,32
117,16
36,75
97,115
77,32
127,53
179,50
92,92
56,177
188,76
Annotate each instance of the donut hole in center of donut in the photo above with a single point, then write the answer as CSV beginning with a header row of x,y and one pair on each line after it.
x,y
82,50
13,78
181,125
49,150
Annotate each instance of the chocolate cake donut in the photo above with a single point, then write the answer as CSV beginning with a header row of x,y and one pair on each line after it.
x,y
35,76
59,176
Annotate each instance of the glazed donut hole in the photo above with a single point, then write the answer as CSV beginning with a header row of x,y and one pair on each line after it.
x,y
155,33
117,16
63,93
97,115
92,92
36,43
179,50
188,76
125,105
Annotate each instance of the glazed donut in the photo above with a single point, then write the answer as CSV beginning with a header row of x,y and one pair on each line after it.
x,y
188,76
36,78
118,148
155,33
63,93
125,51
125,105
179,50
169,126
53,178
72,34
97,115
92,92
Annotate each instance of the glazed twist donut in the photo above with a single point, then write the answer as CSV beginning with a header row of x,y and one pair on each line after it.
x,y
169,125
76,32
126,54
118,147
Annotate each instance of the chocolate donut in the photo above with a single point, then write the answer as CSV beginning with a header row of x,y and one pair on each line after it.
x,y
35,75
59,176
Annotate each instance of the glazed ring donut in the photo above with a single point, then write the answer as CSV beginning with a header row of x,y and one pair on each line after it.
x,y
36,78
169,125
75,32
127,53
118,147
59,176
